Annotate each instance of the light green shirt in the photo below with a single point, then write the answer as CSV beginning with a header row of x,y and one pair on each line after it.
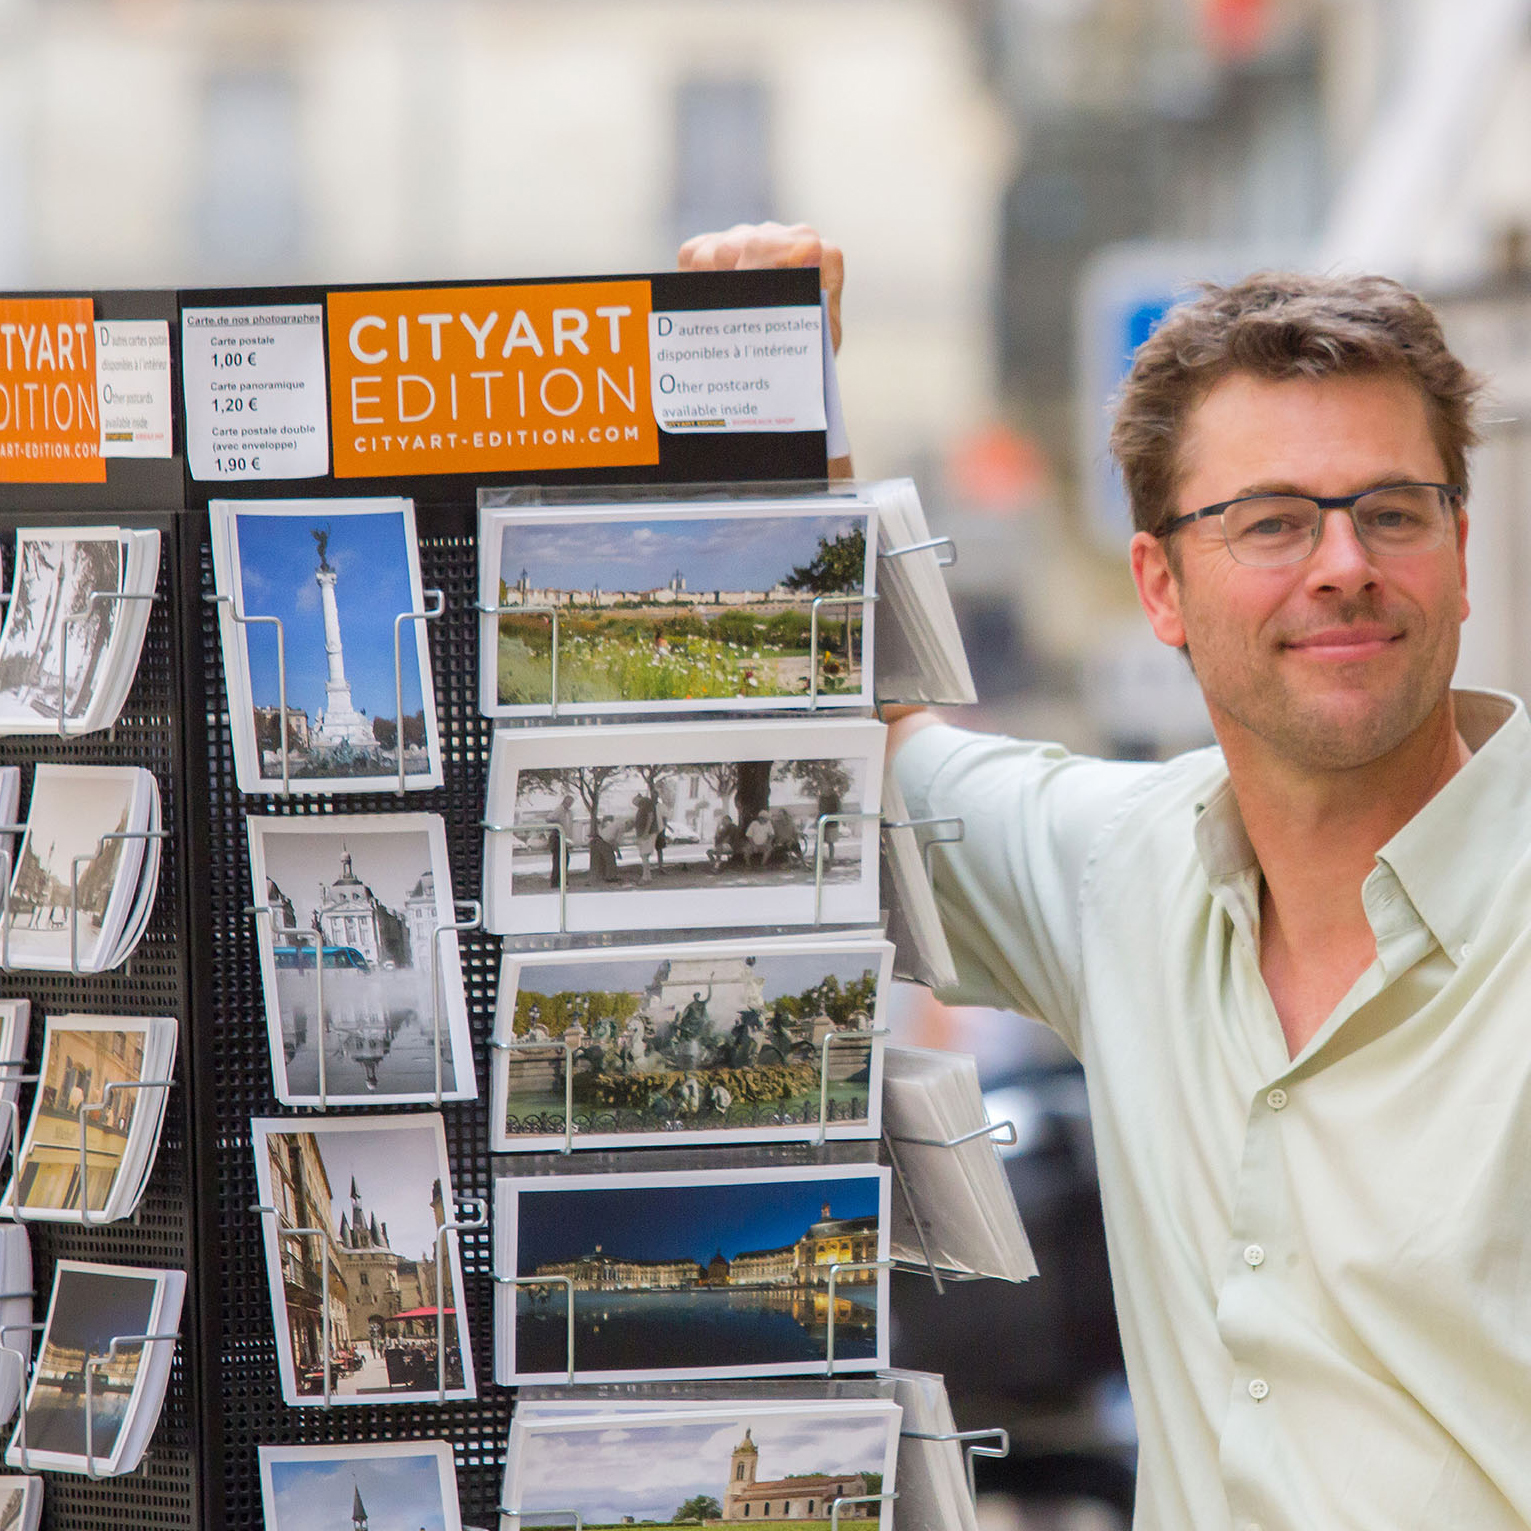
x,y
1322,1264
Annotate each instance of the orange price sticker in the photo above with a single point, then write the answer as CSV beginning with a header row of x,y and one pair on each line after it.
x,y
50,431
491,379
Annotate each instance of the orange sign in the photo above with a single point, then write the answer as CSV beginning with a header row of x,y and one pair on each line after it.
x,y
491,379
49,429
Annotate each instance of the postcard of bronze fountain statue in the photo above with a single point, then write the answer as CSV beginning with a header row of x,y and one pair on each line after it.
x,y
373,892
678,1274
677,607
710,1042
321,611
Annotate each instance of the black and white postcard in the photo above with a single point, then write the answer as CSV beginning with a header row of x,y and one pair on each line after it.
x,y
336,575
91,1306
379,1188
721,1463
21,1502
692,825
15,1315
15,1022
691,1273
374,891
677,607
392,1485
709,1042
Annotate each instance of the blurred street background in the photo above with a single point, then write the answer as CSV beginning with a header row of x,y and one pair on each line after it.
x,y
1020,186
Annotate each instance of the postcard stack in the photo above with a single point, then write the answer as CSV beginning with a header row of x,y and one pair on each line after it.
x,y
324,648
21,1502
953,1204
87,871
15,1017
15,1315
934,1490
96,1115
98,1383
78,612
405,1483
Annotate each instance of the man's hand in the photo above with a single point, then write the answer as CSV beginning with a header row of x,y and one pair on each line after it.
x,y
757,246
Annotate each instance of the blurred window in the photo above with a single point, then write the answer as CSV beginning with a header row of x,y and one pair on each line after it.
x,y
722,154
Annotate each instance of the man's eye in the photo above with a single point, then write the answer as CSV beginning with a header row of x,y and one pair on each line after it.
x,y
1273,526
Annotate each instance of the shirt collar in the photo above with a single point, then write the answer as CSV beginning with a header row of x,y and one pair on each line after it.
x,y
1452,856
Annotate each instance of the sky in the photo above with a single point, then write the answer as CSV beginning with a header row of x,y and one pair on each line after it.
x,y
390,864
73,811
738,553
398,1493
93,1307
648,1472
681,1222
782,975
278,560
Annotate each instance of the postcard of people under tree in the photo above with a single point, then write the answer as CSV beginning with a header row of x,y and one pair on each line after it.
x,y
677,607
710,1042
683,826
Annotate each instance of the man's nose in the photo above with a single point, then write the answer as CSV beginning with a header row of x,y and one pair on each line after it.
x,y
1341,560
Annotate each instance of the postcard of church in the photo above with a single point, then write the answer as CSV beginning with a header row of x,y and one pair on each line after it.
x,y
653,826
739,1463
322,614
675,1274
710,1042
670,607
400,1484
364,1294
383,1017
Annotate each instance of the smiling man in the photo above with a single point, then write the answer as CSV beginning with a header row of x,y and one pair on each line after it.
x,y
1297,967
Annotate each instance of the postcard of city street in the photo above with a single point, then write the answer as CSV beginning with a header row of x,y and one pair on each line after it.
x,y
72,808
336,574
677,608
384,1486
56,576
687,825
372,890
692,1273
712,1042
721,1465
378,1188
91,1305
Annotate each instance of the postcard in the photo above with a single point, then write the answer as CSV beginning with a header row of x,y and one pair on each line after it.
x,y
403,1484
677,607
21,1501
689,825
379,1188
710,1042
691,1273
91,1306
728,1462
336,574
375,890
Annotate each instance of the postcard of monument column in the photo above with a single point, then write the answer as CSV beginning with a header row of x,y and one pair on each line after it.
x,y
394,1485
677,607
725,1464
373,890
374,1191
336,575
651,826
714,1042
691,1273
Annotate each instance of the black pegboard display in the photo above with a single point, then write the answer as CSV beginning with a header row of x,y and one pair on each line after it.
x,y
165,1494
245,1407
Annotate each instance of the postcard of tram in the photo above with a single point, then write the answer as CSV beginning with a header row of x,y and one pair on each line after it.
x,y
666,607
673,1274
372,893
709,1042
365,1297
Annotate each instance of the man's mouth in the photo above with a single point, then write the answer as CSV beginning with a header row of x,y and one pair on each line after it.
x,y
1347,643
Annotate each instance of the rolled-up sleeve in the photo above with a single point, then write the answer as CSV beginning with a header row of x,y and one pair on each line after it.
x,y
1009,892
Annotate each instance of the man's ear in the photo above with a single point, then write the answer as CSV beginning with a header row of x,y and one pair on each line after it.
x,y
1158,588
1461,519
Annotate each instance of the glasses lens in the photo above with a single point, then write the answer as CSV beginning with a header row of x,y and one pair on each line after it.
x,y
1270,529
1409,519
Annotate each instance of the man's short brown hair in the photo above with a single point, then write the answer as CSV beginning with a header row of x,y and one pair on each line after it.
x,y
1277,325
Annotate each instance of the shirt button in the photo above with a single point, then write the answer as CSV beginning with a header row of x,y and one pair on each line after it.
x,y
1254,1255
1258,1388
1276,1099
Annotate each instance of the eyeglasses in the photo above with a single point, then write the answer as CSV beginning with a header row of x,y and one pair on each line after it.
x,y
1266,530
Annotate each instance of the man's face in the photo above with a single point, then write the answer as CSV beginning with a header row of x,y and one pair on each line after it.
x,y
1333,661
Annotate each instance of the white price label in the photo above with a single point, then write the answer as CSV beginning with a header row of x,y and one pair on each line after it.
x,y
133,387
738,369
256,405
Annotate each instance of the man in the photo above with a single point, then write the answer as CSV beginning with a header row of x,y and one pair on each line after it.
x,y
1297,968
